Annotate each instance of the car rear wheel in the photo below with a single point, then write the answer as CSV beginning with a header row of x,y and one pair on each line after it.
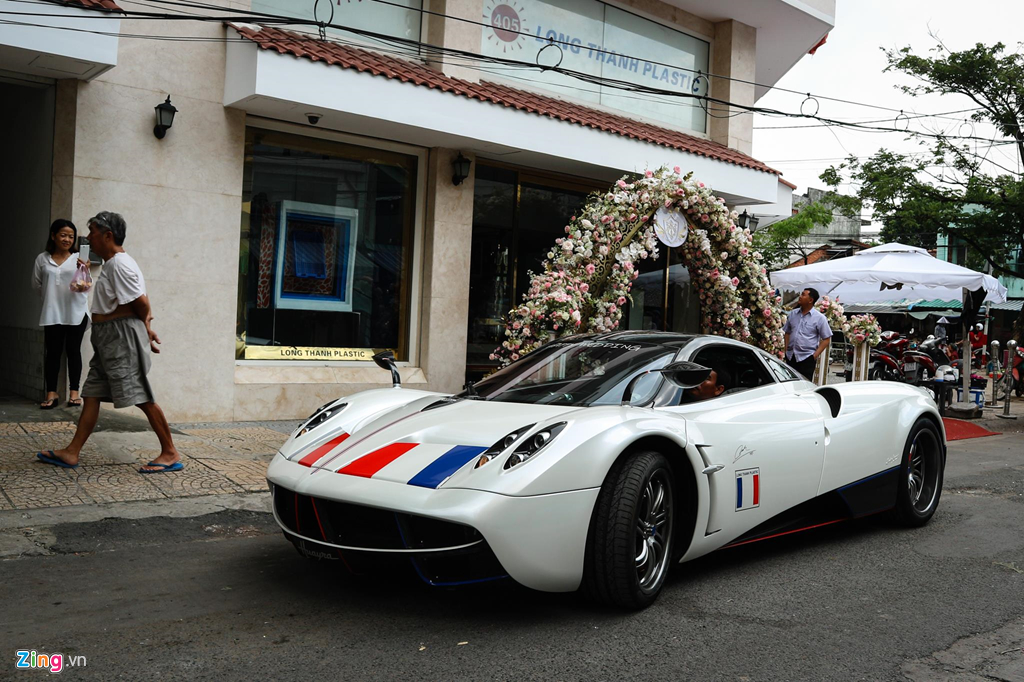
x,y
921,473
630,545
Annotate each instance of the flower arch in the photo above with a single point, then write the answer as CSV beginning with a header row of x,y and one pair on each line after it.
x,y
587,275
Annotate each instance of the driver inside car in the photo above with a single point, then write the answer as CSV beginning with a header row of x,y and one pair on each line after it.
x,y
715,385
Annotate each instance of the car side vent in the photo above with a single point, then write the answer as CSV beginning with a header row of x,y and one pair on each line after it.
x,y
832,397
441,403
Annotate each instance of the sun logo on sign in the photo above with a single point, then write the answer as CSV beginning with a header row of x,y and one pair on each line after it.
x,y
505,20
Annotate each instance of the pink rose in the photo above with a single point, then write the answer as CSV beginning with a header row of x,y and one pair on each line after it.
x,y
676,169
590,268
621,183
649,174
735,281
585,287
622,299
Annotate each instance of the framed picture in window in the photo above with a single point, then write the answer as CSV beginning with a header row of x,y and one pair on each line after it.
x,y
316,254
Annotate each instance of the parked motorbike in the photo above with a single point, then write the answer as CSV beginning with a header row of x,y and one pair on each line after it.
x,y
887,358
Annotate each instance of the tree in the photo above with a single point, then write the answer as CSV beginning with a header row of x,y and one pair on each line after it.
x,y
780,240
953,188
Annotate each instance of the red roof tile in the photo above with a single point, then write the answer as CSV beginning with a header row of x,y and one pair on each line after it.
x,y
102,5
787,183
287,42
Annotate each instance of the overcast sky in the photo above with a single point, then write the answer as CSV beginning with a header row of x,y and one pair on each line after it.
x,y
850,66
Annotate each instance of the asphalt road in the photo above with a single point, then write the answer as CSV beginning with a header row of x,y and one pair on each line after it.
x,y
225,597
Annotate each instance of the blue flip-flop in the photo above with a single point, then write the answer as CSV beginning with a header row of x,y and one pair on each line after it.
x,y
54,460
164,468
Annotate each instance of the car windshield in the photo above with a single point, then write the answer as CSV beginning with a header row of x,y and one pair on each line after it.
x,y
581,373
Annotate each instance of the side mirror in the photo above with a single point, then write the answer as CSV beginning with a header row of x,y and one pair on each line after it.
x,y
386,360
681,373
686,374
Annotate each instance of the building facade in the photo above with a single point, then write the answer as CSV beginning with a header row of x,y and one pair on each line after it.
x,y
386,179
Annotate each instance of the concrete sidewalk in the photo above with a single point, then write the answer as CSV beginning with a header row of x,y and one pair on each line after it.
x,y
219,459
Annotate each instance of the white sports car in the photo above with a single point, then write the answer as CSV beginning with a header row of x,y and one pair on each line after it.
x,y
597,461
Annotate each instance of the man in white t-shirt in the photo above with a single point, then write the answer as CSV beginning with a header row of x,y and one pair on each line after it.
x,y
121,339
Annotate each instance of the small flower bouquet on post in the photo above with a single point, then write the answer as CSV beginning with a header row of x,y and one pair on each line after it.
x,y
833,312
863,331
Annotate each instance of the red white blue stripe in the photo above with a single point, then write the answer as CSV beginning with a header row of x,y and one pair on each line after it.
x,y
426,465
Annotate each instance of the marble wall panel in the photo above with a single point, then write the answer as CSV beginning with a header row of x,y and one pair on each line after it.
x,y
202,152
193,69
175,235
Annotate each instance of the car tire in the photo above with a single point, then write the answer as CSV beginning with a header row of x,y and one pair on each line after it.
x,y
631,541
921,475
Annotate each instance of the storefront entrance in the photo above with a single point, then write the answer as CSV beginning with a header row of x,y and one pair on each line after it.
x,y
517,215
26,135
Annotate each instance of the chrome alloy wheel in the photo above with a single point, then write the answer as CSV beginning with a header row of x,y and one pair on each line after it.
x,y
923,472
654,525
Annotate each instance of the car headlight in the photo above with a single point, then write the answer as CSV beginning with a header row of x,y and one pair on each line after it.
x,y
501,446
533,444
322,414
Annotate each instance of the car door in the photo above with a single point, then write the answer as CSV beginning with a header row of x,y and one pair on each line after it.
x,y
764,448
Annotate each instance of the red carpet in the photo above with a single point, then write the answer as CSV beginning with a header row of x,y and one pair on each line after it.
x,y
958,429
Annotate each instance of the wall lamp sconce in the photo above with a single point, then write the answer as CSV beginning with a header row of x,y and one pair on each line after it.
x,y
460,169
747,220
164,118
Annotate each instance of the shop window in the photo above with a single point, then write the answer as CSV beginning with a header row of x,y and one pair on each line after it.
x,y
396,18
326,249
673,307
605,43
516,218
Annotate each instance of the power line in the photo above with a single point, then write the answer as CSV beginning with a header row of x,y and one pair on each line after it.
x,y
296,20
703,100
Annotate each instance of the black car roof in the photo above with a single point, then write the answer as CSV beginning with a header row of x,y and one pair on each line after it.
x,y
669,339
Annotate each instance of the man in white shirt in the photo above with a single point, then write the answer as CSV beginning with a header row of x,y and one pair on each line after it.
x,y
122,339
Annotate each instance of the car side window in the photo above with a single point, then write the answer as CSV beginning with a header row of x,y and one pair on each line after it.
x,y
782,371
737,369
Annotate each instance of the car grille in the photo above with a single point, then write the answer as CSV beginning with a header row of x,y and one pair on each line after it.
x,y
357,526
369,530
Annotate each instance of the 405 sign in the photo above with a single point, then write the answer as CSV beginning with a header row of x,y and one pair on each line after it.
x,y
506,21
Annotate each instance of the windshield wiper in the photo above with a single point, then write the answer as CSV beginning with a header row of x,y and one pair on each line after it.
x,y
470,392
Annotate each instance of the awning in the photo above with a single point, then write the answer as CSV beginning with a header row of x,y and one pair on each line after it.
x,y
59,40
283,75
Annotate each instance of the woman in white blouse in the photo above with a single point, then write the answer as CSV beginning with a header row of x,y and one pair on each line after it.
x,y
65,313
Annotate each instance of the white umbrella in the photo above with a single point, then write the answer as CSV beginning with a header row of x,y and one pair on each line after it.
x,y
893,271
886,273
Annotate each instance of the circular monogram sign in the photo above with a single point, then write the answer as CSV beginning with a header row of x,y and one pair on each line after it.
x,y
670,226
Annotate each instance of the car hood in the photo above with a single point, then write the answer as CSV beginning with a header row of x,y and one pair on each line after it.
x,y
425,442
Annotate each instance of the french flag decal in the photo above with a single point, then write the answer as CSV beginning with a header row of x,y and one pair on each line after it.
x,y
748,489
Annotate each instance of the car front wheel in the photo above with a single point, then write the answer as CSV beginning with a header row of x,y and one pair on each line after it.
x,y
921,473
630,544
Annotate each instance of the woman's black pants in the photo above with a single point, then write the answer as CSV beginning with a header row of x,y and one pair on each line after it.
x,y
60,339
